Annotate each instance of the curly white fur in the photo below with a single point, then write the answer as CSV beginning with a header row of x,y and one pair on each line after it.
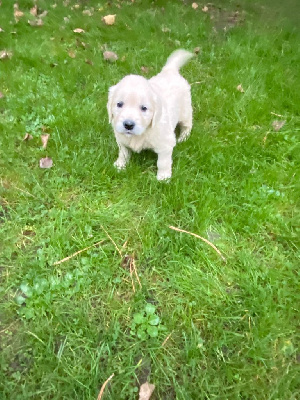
x,y
144,113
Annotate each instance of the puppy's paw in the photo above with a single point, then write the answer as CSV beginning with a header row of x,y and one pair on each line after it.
x,y
120,164
183,136
163,176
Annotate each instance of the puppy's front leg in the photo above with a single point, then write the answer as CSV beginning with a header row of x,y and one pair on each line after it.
x,y
123,158
164,165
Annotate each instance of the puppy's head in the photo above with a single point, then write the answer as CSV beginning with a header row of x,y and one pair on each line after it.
x,y
132,106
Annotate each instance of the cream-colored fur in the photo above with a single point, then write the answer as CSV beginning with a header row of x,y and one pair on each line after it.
x,y
144,113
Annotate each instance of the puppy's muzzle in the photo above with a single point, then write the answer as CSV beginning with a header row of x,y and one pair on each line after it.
x,y
129,124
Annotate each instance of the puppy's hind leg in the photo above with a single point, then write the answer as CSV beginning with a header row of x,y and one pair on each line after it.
x,y
186,121
123,158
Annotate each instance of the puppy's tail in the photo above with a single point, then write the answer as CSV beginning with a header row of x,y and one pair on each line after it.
x,y
178,59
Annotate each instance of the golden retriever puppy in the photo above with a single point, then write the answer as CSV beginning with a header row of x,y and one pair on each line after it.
x,y
144,113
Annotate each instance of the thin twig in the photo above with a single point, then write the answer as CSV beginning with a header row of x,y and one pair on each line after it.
x,y
136,274
131,272
103,387
77,252
9,326
277,115
111,239
24,191
200,237
166,339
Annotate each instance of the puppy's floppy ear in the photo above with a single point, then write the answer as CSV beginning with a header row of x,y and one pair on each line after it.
x,y
111,92
157,108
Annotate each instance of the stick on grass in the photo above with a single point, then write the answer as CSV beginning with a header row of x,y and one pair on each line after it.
x,y
112,240
77,252
103,387
200,237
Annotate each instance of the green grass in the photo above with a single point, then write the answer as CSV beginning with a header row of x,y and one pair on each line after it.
x,y
64,329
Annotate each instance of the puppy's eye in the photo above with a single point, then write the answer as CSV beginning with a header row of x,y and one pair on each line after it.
x,y
144,108
120,104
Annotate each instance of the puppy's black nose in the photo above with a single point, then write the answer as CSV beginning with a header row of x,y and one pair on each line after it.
x,y
128,124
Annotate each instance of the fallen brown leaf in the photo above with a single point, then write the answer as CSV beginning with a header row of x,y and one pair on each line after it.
x,y
109,19
79,30
43,14
72,53
27,137
145,70
277,125
36,22
205,9
1,30
46,162
5,54
79,43
110,56
17,13
44,139
197,50
146,391
87,61
240,88
33,11
195,6
89,13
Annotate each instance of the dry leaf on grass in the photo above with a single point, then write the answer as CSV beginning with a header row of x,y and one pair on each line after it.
x,y
145,70
44,139
110,56
109,19
72,54
165,29
36,22
27,137
1,30
5,54
197,50
90,62
195,6
17,13
46,162
146,391
89,13
79,30
79,43
33,11
277,125
43,14
205,9
240,88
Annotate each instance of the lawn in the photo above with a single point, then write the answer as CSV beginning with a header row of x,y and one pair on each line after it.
x,y
140,300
